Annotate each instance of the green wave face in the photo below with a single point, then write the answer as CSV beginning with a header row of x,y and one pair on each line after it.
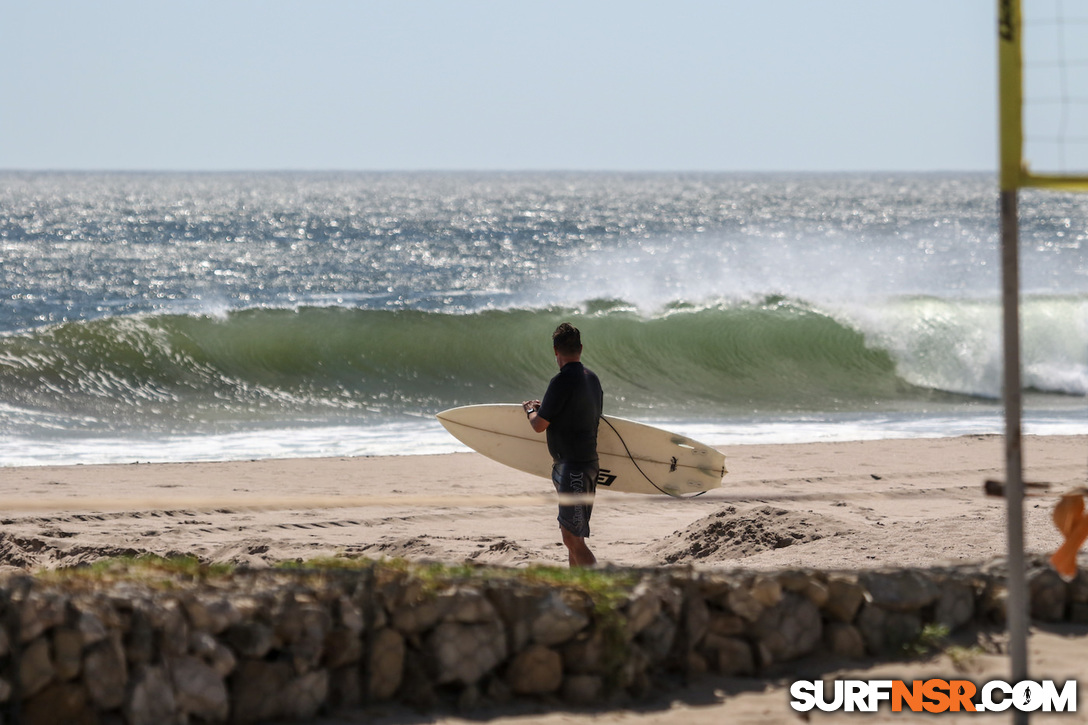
x,y
271,364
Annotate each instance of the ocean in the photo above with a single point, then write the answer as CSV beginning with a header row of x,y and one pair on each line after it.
x,y
200,316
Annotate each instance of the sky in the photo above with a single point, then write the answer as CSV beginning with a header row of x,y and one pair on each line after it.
x,y
609,85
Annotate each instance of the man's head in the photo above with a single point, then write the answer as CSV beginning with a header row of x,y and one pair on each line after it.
x,y
567,341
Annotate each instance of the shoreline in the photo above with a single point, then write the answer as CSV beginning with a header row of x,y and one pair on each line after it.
x,y
389,439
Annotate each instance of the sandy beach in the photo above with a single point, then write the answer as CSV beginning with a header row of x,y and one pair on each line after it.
x,y
823,505
885,503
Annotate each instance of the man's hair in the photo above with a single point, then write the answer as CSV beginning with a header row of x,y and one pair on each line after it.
x,y
567,340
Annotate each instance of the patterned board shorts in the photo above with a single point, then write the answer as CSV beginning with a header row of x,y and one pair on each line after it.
x,y
571,478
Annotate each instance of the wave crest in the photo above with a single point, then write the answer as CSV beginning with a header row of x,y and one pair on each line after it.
x,y
172,371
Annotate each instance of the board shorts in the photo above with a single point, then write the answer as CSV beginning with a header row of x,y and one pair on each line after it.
x,y
576,479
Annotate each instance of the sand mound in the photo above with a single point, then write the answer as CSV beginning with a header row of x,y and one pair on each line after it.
x,y
735,534
482,550
46,552
398,547
502,552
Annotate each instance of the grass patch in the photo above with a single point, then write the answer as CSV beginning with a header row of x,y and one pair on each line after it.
x,y
147,568
325,563
964,658
933,637
605,587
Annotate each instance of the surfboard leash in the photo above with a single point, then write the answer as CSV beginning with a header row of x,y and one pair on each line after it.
x,y
632,457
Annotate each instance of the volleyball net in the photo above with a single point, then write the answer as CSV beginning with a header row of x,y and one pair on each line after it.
x,y
1043,93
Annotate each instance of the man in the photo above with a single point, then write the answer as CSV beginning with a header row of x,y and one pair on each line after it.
x,y
569,413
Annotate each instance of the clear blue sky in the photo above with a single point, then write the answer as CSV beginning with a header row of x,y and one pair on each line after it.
x,y
714,85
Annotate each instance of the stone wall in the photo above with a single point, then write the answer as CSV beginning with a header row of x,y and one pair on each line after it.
x,y
163,646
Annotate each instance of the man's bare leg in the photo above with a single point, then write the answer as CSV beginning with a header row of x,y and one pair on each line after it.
x,y
578,554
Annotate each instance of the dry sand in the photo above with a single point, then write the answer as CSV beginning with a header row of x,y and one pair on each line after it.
x,y
823,505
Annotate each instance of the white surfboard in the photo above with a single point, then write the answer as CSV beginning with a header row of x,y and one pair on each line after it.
x,y
635,458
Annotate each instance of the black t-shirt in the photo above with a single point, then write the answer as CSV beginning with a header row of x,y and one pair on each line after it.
x,y
572,406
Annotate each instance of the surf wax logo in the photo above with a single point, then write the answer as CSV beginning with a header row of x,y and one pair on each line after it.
x,y
933,696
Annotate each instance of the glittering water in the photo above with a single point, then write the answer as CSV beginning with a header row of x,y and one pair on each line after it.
x,y
180,316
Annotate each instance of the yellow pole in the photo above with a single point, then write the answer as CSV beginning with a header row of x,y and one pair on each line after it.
x,y
1010,93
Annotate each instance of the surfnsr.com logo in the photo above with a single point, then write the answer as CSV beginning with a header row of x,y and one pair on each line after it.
x,y
933,695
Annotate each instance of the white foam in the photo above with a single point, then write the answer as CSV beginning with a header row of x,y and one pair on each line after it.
x,y
425,436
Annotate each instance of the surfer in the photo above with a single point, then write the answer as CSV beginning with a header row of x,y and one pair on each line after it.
x,y
569,413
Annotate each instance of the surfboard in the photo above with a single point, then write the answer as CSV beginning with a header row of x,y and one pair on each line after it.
x,y
635,457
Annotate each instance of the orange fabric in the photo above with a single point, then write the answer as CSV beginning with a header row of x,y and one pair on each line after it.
x,y
1068,512
1070,519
